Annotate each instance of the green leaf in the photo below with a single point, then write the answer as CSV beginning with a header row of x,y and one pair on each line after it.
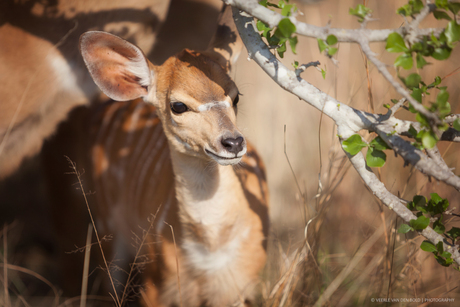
x,y
419,201
441,103
412,131
285,28
404,228
395,43
446,255
322,45
429,139
293,43
323,73
404,10
437,204
417,5
454,233
437,81
439,227
360,11
441,53
417,95
331,51
420,223
286,10
440,247
353,144
413,80
261,26
452,32
404,60
457,124
442,261
441,3
263,2
441,15
421,119
422,209
436,198
420,61
379,144
331,40
442,97
375,157
454,7
427,246
281,50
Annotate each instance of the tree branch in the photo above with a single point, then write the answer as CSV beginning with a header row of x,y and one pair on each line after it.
x,y
434,120
343,35
394,203
348,121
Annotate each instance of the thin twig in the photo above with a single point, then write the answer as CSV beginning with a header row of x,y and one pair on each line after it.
x,y
141,244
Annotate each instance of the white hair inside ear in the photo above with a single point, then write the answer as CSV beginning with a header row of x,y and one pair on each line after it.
x,y
138,66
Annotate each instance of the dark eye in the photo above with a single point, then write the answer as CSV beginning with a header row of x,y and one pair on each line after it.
x,y
178,107
237,99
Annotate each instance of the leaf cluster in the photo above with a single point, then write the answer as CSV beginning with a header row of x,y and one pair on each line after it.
x,y
326,45
442,257
284,31
435,208
412,8
375,157
438,48
360,11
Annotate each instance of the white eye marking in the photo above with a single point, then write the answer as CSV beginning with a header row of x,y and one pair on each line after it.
x,y
209,105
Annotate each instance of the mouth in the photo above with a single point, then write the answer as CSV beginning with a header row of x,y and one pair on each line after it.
x,y
224,160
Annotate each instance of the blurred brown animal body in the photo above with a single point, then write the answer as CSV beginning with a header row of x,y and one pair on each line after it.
x,y
42,75
175,155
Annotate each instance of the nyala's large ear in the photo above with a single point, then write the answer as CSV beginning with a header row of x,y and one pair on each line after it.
x,y
226,44
119,68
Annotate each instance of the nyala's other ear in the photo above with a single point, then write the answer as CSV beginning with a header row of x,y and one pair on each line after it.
x,y
226,44
119,68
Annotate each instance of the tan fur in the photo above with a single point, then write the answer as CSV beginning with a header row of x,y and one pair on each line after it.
x,y
148,158
42,75
124,204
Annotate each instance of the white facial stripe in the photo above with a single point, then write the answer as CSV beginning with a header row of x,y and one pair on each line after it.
x,y
209,105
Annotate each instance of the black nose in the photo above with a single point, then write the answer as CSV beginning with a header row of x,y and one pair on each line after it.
x,y
233,145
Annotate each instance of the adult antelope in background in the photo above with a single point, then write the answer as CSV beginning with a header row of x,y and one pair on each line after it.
x,y
175,154
42,75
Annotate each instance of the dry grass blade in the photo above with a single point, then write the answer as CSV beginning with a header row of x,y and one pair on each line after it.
x,y
363,277
70,301
146,298
177,263
38,276
353,263
5,267
84,282
76,173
